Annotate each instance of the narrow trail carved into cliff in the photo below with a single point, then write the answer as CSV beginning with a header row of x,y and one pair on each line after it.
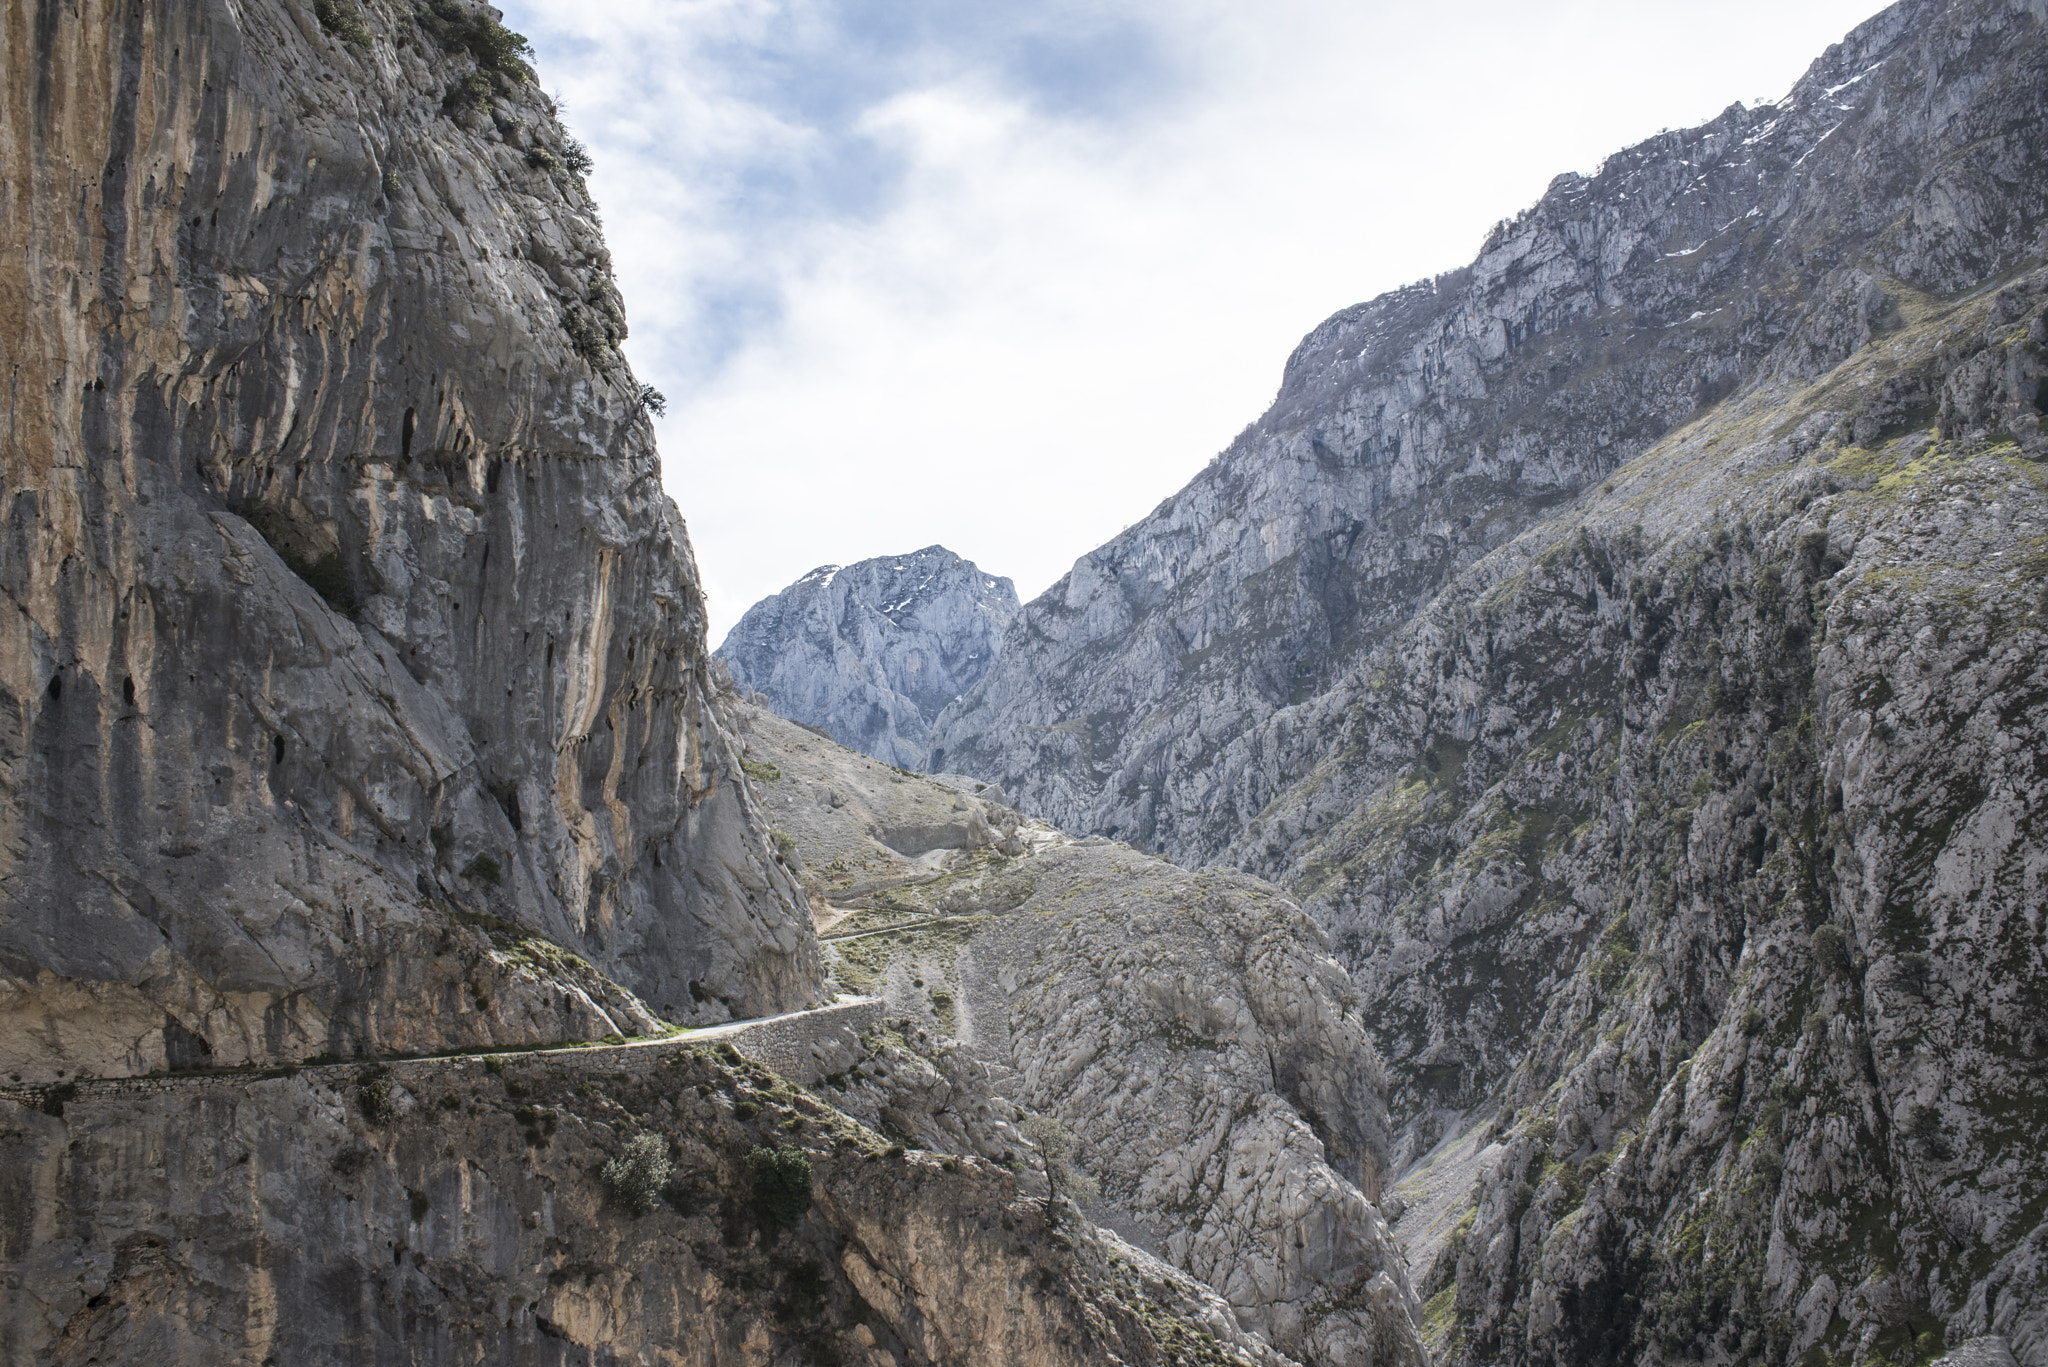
x,y
791,1024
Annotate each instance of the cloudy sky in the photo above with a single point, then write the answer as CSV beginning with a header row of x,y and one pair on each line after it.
x,y
1003,274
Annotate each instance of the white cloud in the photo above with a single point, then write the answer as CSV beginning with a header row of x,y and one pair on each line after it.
x,y
909,287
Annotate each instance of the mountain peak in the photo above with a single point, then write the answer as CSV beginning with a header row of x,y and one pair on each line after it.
x,y
871,652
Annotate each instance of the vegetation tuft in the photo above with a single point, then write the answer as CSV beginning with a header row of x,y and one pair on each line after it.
x,y
587,336
635,1178
1056,1145
374,1095
342,20
781,1181
496,49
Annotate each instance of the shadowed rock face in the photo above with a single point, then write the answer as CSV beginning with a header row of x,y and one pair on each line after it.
x,y
453,1212
346,617
872,652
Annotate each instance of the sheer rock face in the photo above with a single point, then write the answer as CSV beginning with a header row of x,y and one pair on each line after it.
x,y
1689,855
447,1212
344,602
1142,697
872,652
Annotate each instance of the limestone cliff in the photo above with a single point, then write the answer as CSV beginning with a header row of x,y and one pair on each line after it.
x,y
1628,648
662,1204
872,652
346,619
354,699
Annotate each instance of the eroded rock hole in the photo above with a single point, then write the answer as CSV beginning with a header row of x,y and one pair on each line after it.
x,y
56,689
2041,395
508,801
405,431
185,1049
277,749
128,691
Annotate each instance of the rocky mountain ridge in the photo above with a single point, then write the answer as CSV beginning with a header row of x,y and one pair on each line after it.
x,y
1627,649
1141,696
872,652
1654,859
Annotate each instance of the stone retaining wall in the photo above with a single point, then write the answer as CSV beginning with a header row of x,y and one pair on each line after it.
x,y
802,1047
805,1047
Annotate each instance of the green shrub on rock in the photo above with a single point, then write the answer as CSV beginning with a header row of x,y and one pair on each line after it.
x,y
635,1178
1831,949
781,1179
342,20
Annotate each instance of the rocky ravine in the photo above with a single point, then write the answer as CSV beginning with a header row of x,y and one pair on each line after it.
x,y
1189,1029
346,618
1667,762
872,652
356,703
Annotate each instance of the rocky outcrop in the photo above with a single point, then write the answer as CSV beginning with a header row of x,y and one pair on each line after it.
x,y
587,1205
1189,1032
1715,925
872,652
346,617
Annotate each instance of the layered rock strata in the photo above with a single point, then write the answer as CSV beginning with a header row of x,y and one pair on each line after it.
x,y
872,652
347,621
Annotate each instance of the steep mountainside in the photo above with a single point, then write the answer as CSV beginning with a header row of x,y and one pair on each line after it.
x,y
872,652
347,619
670,1204
1689,855
354,700
1416,433
1630,650
1190,1032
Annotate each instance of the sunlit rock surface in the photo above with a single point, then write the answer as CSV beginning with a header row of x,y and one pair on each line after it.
x,y
347,622
871,652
